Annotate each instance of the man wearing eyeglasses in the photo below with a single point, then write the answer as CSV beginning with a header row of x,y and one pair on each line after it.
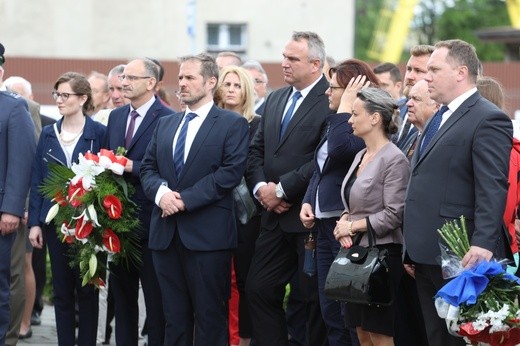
x,y
257,73
131,126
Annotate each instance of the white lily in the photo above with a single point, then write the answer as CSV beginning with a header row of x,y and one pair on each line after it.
x,y
67,231
92,215
89,214
86,169
52,213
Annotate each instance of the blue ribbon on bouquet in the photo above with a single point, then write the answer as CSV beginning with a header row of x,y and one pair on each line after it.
x,y
466,287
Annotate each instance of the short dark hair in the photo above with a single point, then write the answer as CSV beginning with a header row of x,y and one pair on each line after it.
x,y
395,73
208,67
462,53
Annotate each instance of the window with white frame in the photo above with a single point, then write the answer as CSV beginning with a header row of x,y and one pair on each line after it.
x,y
227,37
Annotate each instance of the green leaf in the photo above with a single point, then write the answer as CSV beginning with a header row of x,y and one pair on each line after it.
x,y
92,265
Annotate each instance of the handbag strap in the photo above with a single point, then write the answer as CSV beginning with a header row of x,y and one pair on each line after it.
x,y
371,235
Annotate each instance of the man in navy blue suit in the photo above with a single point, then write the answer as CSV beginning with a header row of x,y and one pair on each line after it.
x,y
191,166
131,126
16,157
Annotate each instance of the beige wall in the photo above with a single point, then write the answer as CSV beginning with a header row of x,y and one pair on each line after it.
x,y
123,29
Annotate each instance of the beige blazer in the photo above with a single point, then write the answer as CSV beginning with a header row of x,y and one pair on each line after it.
x,y
379,193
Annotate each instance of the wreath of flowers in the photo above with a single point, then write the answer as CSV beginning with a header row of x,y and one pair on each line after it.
x,y
480,303
93,212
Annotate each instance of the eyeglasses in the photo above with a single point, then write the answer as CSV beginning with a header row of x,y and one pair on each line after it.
x,y
64,96
132,78
331,87
259,81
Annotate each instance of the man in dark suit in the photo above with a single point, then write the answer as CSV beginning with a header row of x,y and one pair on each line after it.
x,y
279,169
193,229
15,171
460,169
131,126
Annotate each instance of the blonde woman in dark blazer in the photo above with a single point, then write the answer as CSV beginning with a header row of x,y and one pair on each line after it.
x,y
374,189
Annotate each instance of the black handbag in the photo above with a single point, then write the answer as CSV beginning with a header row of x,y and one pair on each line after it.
x,y
245,207
360,274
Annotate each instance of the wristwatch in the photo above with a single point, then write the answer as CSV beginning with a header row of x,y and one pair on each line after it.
x,y
279,191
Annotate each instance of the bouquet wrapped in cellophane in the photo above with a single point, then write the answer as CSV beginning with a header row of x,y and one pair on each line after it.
x,y
479,303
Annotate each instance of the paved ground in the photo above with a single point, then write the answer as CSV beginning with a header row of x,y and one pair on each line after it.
x,y
44,334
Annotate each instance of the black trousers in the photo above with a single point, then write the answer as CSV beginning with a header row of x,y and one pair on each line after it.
x,y
429,280
278,255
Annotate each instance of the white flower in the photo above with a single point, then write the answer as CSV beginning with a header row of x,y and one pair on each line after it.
x,y
67,231
89,214
86,169
480,325
52,213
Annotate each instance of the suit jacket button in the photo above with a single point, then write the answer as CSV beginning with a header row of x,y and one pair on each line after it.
x,y
275,155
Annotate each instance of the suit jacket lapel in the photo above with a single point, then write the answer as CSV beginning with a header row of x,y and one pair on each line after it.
x,y
308,103
121,126
452,120
148,120
199,139
280,111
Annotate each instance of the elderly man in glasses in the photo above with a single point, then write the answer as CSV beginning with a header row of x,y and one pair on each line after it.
x,y
131,126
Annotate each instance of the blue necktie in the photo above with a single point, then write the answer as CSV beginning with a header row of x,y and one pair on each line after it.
x,y
432,128
178,154
289,114
130,131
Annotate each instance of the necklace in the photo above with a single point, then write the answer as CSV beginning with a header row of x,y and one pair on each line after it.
x,y
366,159
68,138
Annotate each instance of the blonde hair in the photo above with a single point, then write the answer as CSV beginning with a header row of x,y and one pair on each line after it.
x,y
247,102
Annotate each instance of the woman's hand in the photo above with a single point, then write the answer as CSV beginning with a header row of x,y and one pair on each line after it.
x,y
346,242
35,237
343,229
307,216
350,93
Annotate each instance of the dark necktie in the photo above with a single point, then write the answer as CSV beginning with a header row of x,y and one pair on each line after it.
x,y
289,114
432,128
178,154
131,127
404,133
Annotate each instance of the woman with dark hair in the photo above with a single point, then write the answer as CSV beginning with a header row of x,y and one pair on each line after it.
x,y
373,194
322,205
62,143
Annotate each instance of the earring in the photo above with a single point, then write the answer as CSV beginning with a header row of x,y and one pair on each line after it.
x,y
81,104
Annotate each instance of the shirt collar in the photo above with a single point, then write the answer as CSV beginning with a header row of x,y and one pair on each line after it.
x,y
203,111
144,108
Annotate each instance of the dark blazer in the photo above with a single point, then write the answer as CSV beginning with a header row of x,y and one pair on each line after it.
x,y
17,147
288,160
261,109
379,192
115,137
215,165
49,150
342,147
463,171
